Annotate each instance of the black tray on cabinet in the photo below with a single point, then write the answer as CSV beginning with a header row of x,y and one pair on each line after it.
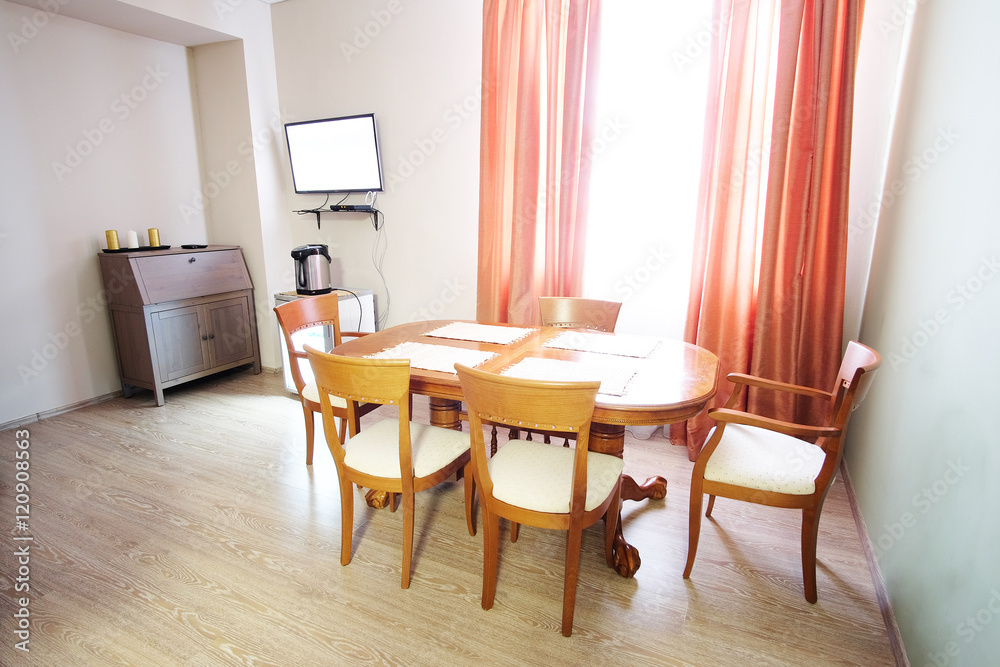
x,y
142,247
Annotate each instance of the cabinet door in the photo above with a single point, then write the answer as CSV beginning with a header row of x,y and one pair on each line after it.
x,y
229,334
180,350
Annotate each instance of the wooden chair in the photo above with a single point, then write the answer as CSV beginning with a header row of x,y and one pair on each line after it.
x,y
578,313
533,483
305,313
392,455
762,460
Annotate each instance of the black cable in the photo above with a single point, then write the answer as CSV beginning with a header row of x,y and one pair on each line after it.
x,y
361,309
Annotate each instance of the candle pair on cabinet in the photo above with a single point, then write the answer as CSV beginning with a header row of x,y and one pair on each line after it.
x,y
132,238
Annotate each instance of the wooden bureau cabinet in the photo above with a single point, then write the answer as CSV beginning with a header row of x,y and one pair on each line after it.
x,y
177,315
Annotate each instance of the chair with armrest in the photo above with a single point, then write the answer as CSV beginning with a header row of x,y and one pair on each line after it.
x,y
306,313
767,461
533,483
578,313
392,455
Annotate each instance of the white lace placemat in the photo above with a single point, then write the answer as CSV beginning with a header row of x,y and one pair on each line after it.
x,y
482,333
434,357
621,345
613,378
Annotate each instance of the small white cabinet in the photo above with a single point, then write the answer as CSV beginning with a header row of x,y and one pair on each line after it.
x,y
357,313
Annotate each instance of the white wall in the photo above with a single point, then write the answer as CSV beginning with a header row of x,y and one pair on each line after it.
x,y
115,110
924,450
417,67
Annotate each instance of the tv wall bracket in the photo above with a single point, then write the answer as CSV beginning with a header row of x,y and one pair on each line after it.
x,y
339,208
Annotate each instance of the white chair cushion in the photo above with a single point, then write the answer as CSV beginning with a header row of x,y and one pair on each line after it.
x,y
539,477
311,393
375,449
756,458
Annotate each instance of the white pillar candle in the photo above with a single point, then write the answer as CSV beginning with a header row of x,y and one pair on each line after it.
x,y
131,239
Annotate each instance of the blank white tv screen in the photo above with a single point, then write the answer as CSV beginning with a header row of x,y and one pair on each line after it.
x,y
334,155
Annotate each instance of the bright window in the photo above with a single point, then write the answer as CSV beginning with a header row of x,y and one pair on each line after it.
x,y
646,159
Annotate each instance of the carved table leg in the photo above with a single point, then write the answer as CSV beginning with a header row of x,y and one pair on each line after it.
x,y
610,439
444,412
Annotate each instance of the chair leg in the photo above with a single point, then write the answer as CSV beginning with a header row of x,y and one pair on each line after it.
x,y
346,517
310,433
573,538
407,502
711,505
342,430
810,533
694,523
611,525
470,498
491,550
515,530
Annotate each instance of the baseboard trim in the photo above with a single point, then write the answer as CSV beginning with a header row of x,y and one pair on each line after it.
x,y
878,581
38,416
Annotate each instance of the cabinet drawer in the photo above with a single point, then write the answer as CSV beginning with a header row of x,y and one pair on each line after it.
x,y
187,275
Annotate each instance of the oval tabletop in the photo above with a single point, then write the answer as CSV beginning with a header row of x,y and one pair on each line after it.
x,y
672,382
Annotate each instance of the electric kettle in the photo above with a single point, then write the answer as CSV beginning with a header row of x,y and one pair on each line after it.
x,y
312,269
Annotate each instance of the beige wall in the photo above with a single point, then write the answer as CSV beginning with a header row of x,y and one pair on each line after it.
x,y
416,66
924,450
98,133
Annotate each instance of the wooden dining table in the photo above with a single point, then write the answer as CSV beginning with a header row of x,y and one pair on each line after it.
x,y
673,382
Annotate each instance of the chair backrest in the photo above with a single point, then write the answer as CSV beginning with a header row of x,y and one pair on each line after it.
x,y
539,405
578,313
857,370
305,313
356,380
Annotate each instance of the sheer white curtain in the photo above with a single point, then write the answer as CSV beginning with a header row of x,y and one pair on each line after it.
x,y
645,157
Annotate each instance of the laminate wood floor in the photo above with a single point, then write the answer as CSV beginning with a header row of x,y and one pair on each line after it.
x,y
194,534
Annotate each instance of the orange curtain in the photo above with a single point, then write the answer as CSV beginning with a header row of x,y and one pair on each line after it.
x,y
768,281
539,62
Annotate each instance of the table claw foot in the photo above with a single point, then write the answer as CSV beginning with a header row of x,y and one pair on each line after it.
x,y
654,488
380,499
625,556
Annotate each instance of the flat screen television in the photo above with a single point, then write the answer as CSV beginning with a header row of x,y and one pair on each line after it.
x,y
334,155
